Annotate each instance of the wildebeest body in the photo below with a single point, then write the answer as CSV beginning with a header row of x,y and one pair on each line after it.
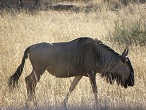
x,y
80,57
63,59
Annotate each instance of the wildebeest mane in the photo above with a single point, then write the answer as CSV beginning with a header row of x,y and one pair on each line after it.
x,y
102,45
81,40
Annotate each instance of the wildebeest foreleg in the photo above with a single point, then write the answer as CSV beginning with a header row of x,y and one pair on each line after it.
x,y
73,85
92,77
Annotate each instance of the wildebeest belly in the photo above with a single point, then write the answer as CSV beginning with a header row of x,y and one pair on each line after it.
x,y
61,72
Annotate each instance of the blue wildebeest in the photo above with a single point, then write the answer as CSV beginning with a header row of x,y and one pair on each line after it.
x,y
77,58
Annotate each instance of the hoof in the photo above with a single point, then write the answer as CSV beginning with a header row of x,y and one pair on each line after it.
x,y
29,103
64,105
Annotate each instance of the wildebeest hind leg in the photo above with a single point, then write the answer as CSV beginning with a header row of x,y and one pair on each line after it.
x,y
31,82
73,85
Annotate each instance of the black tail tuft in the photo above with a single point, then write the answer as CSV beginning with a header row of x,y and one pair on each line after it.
x,y
13,81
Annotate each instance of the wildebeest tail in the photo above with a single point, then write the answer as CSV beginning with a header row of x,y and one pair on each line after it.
x,y
13,80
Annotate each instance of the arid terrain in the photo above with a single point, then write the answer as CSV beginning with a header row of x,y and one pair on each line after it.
x,y
20,30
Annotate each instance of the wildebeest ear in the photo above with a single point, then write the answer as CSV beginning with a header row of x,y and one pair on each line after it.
x,y
124,54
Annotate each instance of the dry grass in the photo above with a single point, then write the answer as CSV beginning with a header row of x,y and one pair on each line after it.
x,y
21,30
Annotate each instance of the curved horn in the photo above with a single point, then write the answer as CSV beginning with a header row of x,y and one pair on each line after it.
x,y
125,53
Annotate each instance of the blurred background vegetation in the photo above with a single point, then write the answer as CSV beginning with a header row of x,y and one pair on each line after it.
x,y
128,32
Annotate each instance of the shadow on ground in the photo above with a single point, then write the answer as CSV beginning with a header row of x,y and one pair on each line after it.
x,y
45,107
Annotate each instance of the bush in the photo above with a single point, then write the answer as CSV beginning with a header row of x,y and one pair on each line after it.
x,y
130,33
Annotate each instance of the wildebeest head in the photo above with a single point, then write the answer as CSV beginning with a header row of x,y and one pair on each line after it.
x,y
125,70
117,67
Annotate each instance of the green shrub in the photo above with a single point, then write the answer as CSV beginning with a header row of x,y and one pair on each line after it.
x,y
130,33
